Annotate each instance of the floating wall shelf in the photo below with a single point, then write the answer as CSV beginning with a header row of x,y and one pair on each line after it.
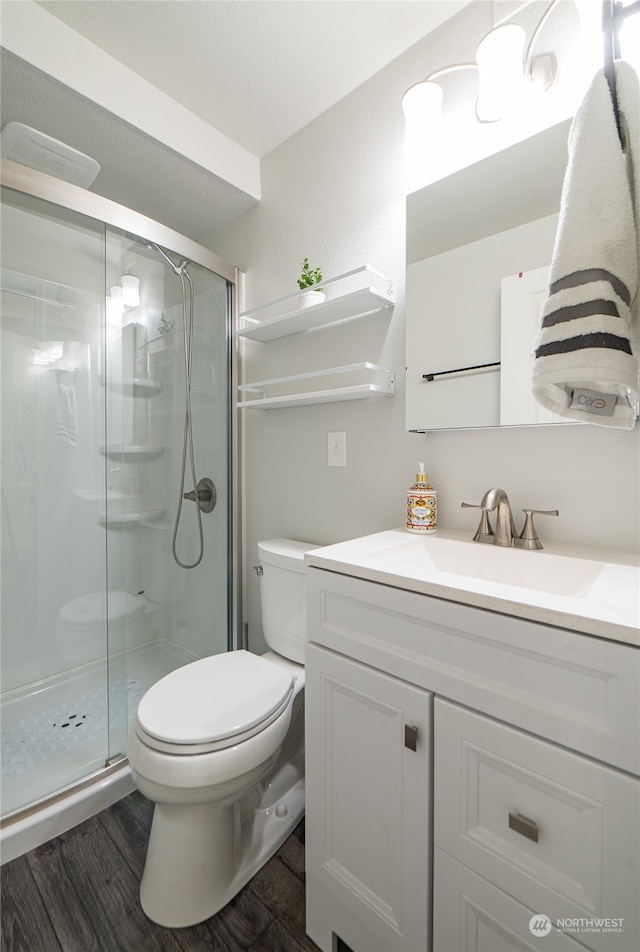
x,y
166,343
333,395
343,302
135,387
47,292
350,295
131,452
354,304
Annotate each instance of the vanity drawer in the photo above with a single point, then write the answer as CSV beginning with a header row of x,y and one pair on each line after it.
x,y
471,915
572,689
556,831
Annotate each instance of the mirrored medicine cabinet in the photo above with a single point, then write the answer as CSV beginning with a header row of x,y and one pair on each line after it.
x,y
479,246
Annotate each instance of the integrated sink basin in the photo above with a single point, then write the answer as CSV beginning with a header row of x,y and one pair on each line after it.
x,y
495,564
588,589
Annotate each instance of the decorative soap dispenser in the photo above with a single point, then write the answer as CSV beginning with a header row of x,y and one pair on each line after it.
x,y
422,505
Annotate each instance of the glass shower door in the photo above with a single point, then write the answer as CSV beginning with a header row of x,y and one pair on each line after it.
x,y
160,408
95,394
54,712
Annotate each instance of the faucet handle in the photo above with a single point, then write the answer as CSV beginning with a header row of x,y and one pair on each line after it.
x,y
484,532
529,537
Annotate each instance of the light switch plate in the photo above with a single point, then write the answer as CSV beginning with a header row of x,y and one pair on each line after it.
x,y
337,449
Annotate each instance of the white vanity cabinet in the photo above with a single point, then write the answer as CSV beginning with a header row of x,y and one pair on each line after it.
x,y
528,736
368,789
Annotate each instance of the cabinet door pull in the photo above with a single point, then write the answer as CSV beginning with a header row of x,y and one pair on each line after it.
x,y
523,825
410,737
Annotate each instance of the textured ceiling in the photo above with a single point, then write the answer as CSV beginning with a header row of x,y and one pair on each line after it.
x,y
135,170
255,70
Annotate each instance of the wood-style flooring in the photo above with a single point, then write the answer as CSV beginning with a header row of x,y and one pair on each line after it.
x,y
79,893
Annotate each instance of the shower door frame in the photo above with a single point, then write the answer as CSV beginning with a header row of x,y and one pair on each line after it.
x,y
28,181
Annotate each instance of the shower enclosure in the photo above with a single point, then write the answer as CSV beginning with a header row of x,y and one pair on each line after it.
x,y
114,380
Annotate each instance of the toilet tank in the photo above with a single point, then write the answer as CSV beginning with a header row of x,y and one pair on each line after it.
x,y
282,596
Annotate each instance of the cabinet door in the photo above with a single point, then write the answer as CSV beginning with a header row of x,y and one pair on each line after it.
x,y
368,806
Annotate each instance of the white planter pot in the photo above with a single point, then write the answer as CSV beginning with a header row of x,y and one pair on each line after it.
x,y
309,298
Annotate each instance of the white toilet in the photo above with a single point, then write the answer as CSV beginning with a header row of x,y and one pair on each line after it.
x,y
218,745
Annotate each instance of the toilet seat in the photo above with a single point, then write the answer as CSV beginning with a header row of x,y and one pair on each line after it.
x,y
212,704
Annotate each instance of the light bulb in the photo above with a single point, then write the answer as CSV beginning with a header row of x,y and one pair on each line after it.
x,y
421,104
115,306
130,290
502,84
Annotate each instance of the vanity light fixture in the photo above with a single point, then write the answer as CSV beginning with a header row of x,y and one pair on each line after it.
x,y
115,306
122,297
509,79
130,290
421,104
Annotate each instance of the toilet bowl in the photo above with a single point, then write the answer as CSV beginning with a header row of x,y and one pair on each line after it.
x,y
218,746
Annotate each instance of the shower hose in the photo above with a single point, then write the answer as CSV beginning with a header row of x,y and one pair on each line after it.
x,y
187,442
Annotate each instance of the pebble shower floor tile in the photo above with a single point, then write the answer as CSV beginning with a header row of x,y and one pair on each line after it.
x,y
42,737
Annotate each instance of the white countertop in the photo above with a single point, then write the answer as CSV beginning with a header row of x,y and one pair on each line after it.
x,y
582,588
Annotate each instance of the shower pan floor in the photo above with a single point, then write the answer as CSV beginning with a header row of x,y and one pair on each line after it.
x,y
41,737
56,734
65,741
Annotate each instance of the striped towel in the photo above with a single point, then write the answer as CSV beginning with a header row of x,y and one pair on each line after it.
x,y
587,355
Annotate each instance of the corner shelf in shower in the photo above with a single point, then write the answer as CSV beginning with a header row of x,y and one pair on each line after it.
x,y
130,516
135,387
374,294
131,452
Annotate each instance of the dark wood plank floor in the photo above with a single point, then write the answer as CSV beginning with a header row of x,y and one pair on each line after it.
x,y
79,893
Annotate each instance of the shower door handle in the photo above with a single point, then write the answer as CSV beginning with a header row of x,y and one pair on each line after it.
x,y
204,494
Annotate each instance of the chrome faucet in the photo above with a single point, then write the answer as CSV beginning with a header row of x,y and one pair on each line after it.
x,y
496,500
505,531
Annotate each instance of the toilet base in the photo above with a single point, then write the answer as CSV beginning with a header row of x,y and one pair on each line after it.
x,y
186,882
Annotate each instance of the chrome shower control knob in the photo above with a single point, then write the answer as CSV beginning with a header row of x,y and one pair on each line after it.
x,y
205,494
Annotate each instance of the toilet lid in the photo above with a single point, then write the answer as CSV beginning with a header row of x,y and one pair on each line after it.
x,y
214,700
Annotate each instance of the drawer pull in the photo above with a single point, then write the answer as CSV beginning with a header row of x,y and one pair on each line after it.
x,y
410,737
523,825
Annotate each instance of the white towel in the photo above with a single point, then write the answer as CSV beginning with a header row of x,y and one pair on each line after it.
x,y
66,424
590,334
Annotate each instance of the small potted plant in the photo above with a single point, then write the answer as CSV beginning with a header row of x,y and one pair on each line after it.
x,y
166,327
309,278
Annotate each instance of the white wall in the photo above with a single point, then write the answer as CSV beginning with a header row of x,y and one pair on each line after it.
x,y
335,192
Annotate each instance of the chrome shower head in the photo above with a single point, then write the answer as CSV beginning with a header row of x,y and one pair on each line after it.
x,y
178,269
